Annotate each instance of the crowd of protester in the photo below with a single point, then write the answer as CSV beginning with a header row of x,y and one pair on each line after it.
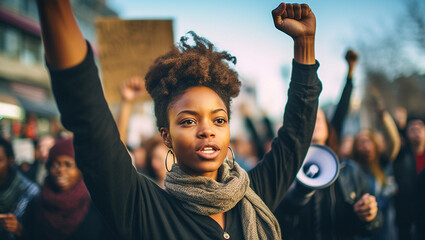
x,y
379,194
382,172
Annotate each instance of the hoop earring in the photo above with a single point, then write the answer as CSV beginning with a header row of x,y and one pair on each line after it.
x,y
233,157
166,157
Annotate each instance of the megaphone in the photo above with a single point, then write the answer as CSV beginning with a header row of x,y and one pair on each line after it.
x,y
320,167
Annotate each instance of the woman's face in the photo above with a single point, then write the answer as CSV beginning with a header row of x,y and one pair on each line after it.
x,y
320,134
198,131
365,146
64,172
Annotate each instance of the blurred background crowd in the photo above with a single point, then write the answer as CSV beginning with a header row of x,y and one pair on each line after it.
x,y
373,119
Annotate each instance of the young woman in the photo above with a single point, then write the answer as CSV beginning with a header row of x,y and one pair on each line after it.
x,y
207,196
63,210
375,156
379,172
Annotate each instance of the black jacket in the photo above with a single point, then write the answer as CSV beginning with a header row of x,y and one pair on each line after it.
x,y
136,207
420,205
329,213
405,176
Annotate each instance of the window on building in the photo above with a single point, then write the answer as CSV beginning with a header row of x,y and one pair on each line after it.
x,y
11,41
30,53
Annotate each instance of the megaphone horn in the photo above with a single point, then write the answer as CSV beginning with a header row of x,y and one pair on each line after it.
x,y
320,167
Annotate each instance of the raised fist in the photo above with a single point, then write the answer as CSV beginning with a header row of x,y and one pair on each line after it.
x,y
132,88
296,20
351,57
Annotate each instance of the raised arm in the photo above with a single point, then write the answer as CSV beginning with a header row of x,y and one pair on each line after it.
x,y
393,142
64,44
299,22
130,90
341,110
391,131
273,175
100,154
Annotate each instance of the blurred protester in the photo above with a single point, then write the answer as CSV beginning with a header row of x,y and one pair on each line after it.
x,y
408,164
343,210
346,146
63,210
400,117
415,133
130,91
156,152
149,157
261,142
420,206
138,156
243,149
337,120
37,171
375,153
248,150
15,193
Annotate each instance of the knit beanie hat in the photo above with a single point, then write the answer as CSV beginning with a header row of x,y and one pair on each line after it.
x,y
62,147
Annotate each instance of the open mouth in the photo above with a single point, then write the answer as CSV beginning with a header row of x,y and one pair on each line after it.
x,y
61,180
208,151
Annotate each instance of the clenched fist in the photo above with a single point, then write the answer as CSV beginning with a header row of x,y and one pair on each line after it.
x,y
132,88
296,20
366,208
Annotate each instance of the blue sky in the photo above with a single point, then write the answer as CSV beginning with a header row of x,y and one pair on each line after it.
x,y
245,29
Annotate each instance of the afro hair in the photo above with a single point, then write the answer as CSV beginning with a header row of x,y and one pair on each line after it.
x,y
187,66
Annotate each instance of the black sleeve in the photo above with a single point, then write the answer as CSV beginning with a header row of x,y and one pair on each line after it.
x,y
272,176
115,187
341,110
420,205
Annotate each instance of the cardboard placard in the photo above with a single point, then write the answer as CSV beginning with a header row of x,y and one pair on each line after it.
x,y
127,48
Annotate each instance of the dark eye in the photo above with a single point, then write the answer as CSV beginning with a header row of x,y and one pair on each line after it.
x,y
69,164
187,122
220,121
55,165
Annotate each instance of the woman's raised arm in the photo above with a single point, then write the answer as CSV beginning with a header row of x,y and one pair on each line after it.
x,y
63,41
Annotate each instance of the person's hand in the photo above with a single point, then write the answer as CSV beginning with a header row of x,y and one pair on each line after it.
x,y
10,223
296,20
132,88
351,57
366,208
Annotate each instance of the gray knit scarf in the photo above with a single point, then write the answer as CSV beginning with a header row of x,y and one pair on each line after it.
x,y
205,196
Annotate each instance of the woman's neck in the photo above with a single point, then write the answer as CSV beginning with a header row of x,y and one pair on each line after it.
x,y
220,218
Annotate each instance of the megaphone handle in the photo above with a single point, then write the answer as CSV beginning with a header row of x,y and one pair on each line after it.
x,y
299,195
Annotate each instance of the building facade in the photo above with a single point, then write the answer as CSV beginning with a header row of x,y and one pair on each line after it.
x,y
27,108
